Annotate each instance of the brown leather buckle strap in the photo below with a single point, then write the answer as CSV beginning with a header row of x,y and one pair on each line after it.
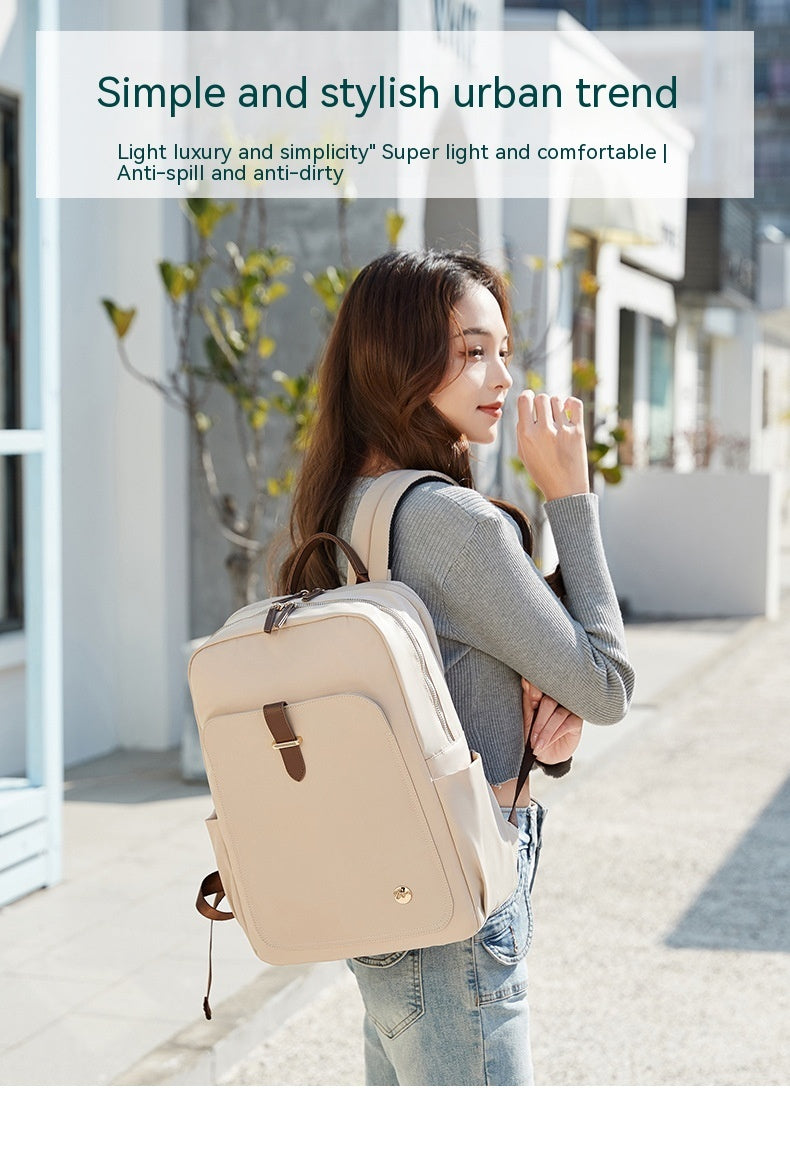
x,y
285,740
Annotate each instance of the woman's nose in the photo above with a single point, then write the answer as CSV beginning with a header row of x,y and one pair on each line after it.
x,y
503,375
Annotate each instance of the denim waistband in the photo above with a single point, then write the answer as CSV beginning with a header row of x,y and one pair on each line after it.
x,y
529,817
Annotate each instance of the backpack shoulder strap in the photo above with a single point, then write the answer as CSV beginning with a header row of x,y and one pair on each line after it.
x,y
370,534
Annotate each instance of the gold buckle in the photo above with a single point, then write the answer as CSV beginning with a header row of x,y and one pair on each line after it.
x,y
285,745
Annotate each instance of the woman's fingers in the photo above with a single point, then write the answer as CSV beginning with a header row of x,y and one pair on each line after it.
x,y
560,738
542,408
530,700
531,692
558,411
555,732
550,722
574,411
551,443
543,717
524,406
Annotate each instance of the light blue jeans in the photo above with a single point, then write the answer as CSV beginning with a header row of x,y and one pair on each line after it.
x,y
457,1014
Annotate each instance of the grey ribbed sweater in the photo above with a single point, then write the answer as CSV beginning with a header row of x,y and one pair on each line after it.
x,y
497,619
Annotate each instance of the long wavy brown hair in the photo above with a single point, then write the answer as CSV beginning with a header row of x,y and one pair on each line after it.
x,y
388,351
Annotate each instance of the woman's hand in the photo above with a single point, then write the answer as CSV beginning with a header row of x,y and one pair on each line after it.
x,y
552,445
556,732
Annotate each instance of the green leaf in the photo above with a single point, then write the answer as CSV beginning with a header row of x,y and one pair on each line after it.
x,y
395,223
218,351
596,451
612,475
266,347
330,286
228,294
250,318
259,414
584,377
120,319
270,293
276,487
206,213
179,280
269,263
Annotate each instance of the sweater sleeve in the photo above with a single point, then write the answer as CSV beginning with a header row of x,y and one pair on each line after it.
x,y
496,600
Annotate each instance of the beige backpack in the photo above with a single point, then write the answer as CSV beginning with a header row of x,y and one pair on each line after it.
x,y
350,817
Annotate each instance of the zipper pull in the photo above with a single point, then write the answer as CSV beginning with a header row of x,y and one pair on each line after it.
x,y
282,614
280,611
271,617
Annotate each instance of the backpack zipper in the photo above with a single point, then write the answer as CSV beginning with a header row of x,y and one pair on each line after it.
x,y
279,612
418,653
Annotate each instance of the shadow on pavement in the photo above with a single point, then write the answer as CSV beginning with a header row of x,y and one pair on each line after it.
x,y
128,777
746,905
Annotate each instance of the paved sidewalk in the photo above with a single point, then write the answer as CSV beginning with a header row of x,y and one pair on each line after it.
x,y
102,976
662,904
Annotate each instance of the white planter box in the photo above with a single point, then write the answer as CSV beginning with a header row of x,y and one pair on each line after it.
x,y
697,544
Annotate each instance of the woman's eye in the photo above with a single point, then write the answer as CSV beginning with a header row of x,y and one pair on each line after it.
x,y
479,353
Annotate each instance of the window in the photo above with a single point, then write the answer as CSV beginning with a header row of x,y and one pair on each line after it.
x,y
625,392
643,14
662,354
11,613
704,436
771,158
770,12
779,74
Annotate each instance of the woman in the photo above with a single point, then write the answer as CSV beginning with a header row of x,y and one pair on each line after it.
x,y
415,371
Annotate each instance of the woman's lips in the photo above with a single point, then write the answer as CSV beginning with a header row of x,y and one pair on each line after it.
x,y
494,409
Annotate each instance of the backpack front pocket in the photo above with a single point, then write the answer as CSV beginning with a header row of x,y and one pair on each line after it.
x,y
359,887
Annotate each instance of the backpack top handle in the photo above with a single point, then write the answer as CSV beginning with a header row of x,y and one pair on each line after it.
x,y
356,568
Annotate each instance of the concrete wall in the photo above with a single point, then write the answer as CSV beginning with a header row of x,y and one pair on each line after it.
x,y
124,474
308,231
701,544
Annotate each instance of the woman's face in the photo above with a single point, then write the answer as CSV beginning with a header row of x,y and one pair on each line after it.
x,y
474,387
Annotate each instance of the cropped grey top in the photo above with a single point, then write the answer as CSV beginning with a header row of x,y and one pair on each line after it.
x,y
496,618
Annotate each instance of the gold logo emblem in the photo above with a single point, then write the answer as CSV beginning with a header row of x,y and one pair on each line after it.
x,y
402,895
